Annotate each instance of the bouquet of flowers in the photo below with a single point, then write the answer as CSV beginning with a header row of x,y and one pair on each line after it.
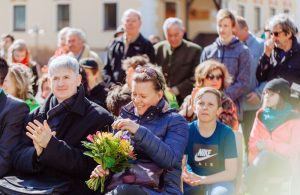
x,y
110,151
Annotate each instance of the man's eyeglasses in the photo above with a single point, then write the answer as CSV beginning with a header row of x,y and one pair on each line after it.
x,y
151,73
212,77
276,34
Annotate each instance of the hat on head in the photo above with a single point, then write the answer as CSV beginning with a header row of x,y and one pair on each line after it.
x,y
120,29
280,86
88,63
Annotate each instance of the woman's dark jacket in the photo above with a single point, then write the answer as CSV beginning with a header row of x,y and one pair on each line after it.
x,y
162,138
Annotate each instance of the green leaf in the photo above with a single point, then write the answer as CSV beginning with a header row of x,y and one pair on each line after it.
x,y
110,162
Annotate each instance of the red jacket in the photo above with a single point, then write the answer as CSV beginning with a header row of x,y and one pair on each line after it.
x,y
284,140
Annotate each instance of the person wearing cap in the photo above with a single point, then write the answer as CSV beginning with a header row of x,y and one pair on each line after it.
x,y
97,90
119,32
132,43
274,144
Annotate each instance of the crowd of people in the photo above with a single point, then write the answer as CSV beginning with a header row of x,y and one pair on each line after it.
x,y
214,120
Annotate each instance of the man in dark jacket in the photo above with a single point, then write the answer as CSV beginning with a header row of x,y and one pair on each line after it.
x,y
12,114
130,44
281,52
178,58
52,148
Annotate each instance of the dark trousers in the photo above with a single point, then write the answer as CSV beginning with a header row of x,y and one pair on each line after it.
x,y
247,124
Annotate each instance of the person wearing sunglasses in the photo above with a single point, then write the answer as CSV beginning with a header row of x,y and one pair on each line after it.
x,y
159,136
212,73
281,52
230,51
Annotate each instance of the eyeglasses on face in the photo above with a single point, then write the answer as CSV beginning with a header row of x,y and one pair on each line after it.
x,y
276,34
212,76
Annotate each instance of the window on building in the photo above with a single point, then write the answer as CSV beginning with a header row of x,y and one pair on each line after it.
x,y
241,10
110,16
272,12
170,9
257,18
63,16
19,18
286,11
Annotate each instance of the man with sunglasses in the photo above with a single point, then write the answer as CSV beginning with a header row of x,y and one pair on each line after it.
x,y
281,52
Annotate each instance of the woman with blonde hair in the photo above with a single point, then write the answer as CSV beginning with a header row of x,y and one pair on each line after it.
x,y
19,53
18,83
214,74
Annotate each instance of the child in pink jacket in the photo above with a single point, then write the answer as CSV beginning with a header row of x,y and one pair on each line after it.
x,y
274,141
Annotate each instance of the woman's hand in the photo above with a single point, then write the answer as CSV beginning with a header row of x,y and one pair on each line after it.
x,y
126,124
99,172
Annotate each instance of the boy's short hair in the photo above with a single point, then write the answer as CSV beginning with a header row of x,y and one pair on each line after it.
x,y
225,13
211,90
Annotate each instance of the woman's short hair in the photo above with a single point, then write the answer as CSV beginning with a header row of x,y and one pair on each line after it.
x,y
285,22
211,90
133,62
63,61
225,13
206,67
62,35
23,79
150,73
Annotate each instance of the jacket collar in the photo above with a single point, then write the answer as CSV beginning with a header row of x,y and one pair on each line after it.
x,y
150,114
234,41
138,41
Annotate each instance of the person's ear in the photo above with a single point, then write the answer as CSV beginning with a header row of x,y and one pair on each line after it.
x,y
78,79
219,111
160,94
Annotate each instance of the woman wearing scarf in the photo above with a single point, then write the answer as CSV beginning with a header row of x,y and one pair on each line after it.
x,y
274,141
19,53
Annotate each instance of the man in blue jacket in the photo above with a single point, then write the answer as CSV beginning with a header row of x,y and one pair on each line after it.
x,y
230,51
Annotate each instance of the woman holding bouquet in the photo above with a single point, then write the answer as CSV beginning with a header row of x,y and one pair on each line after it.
x,y
159,136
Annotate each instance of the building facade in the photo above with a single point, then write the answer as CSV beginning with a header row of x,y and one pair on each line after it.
x,y
38,21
